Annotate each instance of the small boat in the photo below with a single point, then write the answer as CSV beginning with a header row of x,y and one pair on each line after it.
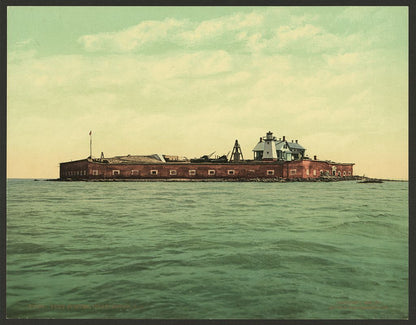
x,y
371,181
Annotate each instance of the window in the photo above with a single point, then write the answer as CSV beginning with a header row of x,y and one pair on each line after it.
x,y
293,172
349,173
153,172
192,172
344,173
307,172
231,172
95,172
172,172
314,172
339,173
116,172
135,172
211,172
270,172
321,172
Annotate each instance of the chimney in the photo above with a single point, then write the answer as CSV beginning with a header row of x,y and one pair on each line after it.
x,y
261,139
296,141
284,138
292,140
314,157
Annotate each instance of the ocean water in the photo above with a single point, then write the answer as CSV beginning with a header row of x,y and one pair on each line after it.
x,y
207,250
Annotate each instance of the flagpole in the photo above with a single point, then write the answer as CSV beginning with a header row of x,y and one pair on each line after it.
x,y
90,144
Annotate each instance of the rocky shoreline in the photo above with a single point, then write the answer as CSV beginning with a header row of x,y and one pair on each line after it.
x,y
263,180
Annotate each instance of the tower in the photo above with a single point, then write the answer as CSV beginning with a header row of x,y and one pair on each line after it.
x,y
237,154
269,151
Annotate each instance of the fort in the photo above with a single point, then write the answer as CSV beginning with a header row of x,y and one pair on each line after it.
x,y
273,159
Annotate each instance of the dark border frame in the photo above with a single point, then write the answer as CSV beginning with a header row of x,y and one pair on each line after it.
x,y
411,142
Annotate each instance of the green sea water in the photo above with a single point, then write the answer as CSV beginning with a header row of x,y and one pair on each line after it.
x,y
207,250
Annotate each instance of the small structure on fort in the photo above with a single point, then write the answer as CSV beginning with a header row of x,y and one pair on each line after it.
x,y
237,154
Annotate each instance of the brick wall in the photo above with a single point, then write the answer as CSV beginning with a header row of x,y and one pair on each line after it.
x,y
84,169
315,169
74,169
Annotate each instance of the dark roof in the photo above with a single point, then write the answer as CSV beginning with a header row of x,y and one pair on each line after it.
x,y
294,145
259,146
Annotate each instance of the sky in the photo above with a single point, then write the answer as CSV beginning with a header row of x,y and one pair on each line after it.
x,y
191,80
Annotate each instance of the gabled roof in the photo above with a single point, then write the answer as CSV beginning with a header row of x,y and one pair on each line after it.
x,y
279,145
294,145
259,146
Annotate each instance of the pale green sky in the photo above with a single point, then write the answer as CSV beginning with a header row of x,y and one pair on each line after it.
x,y
191,80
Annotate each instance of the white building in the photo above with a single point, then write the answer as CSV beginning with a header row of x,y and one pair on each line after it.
x,y
270,148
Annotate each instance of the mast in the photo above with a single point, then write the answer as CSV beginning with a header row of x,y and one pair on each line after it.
x,y
90,144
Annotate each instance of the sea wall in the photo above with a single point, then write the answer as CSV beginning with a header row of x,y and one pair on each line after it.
x,y
315,169
93,170
305,169
74,169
